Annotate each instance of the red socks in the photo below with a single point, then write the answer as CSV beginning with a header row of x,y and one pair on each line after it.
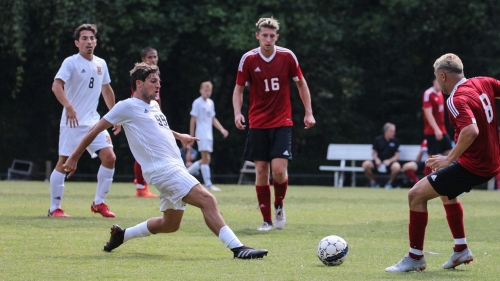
x,y
416,231
412,175
138,173
279,192
455,217
264,198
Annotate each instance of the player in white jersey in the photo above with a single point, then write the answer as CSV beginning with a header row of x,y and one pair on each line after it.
x,y
153,145
77,86
203,118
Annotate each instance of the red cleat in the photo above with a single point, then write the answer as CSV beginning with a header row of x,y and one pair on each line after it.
x,y
57,213
102,209
144,193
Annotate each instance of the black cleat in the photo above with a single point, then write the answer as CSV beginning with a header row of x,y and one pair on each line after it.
x,y
248,253
116,239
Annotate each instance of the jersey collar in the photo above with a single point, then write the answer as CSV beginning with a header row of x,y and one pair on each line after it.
x,y
458,84
269,58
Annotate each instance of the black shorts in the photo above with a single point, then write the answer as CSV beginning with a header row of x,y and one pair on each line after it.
x,y
375,170
454,180
435,147
268,144
420,166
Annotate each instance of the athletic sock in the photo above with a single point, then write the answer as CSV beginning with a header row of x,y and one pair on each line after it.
x,y
264,198
455,218
279,192
412,175
427,171
56,189
104,180
140,230
194,168
205,173
228,238
138,175
416,233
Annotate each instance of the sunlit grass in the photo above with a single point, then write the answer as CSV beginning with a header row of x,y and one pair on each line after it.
x,y
373,222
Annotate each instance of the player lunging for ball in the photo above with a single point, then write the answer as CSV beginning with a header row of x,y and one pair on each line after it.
x,y
153,145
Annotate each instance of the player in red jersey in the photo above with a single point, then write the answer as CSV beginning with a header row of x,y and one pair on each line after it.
x,y
149,55
438,140
267,70
474,160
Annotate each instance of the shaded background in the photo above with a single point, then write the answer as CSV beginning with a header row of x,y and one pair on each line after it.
x,y
366,62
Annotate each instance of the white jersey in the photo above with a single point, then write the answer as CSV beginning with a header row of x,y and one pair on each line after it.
x,y
83,80
204,111
149,137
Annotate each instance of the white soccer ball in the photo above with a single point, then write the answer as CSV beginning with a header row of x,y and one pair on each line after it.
x,y
332,250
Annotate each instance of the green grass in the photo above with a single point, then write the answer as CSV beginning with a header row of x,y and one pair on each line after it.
x,y
372,221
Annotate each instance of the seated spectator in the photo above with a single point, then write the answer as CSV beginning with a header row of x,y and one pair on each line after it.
x,y
385,154
413,167
188,154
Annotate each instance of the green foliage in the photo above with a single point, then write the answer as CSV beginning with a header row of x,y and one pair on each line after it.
x,y
366,63
374,222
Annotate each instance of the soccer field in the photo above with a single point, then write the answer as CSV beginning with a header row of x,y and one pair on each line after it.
x,y
372,221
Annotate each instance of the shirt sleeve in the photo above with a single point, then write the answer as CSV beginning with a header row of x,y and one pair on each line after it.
x,y
65,71
295,71
242,77
465,115
195,109
120,113
106,79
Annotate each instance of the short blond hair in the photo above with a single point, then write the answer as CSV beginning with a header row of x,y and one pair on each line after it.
x,y
449,62
206,84
267,22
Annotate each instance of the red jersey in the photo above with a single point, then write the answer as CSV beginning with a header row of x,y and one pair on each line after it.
x,y
473,101
269,80
434,100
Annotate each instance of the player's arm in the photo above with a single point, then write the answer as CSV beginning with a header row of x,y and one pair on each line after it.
x,y
58,89
185,139
239,119
70,165
466,137
109,95
419,156
192,125
305,96
219,127
109,98
432,123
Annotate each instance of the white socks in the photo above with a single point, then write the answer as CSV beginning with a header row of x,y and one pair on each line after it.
x,y
228,238
56,189
104,180
205,173
194,168
140,230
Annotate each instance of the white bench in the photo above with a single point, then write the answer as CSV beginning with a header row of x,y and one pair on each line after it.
x,y
355,153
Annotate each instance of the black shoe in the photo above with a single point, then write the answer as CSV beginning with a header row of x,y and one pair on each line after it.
x,y
247,253
116,239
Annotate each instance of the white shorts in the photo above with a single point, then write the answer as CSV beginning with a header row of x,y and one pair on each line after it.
x,y
173,184
205,145
69,138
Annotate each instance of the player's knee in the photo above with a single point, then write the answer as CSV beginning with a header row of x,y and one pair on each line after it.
x,y
367,165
